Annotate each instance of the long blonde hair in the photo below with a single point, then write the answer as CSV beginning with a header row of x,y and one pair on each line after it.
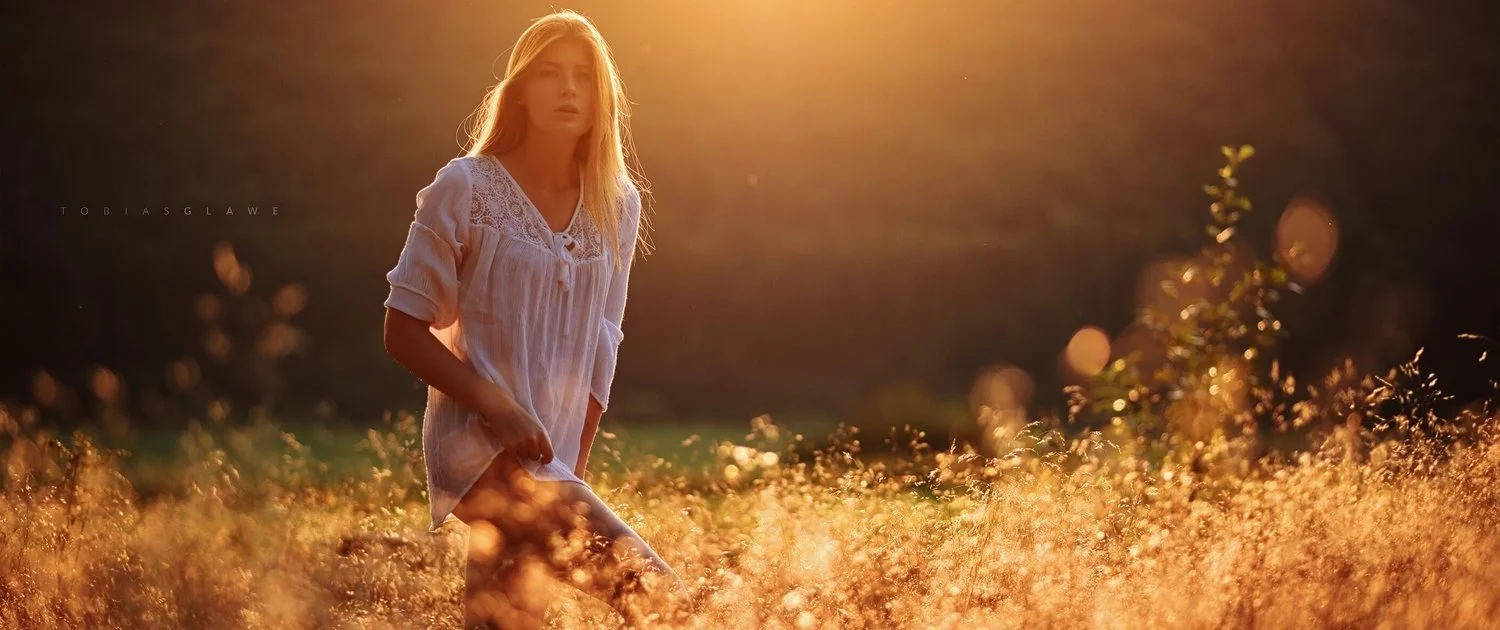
x,y
500,123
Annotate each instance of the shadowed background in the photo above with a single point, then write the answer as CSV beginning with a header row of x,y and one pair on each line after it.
x,y
858,206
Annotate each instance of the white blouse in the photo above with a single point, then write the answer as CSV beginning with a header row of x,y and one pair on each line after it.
x,y
534,311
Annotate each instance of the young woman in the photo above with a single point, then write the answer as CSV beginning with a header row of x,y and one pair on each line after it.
x,y
507,300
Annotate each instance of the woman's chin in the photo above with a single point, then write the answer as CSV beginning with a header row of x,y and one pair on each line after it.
x,y
564,130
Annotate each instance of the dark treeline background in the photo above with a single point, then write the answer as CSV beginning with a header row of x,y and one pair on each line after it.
x,y
851,198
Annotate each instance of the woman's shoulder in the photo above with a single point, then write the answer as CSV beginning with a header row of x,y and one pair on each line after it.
x,y
627,183
466,164
630,201
457,172
451,187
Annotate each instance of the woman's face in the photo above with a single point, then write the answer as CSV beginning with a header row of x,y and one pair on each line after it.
x,y
558,91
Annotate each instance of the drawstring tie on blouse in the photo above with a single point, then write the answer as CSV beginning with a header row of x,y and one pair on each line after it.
x,y
565,262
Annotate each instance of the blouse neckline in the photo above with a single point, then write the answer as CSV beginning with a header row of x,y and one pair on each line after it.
x,y
537,212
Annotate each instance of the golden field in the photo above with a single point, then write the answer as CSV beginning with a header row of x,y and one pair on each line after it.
x,y
1045,532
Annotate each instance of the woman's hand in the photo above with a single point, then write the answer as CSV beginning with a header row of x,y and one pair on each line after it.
x,y
519,433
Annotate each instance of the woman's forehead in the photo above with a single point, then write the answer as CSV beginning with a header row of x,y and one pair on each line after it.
x,y
566,52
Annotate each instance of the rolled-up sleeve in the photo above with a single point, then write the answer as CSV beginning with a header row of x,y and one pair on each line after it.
x,y
424,282
611,332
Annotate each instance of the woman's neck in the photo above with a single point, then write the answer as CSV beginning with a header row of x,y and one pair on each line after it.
x,y
549,165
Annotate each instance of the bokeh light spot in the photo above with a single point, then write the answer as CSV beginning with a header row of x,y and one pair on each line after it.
x,y
104,383
1088,351
1002,387
1307,238
289,300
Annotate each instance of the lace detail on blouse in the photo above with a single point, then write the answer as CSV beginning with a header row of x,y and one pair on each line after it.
x,y
499,204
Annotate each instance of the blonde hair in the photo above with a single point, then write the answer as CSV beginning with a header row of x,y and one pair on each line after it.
x,y
500,123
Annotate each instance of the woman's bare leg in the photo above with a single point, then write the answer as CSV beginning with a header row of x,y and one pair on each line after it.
x,y
505,584
618,566
523,533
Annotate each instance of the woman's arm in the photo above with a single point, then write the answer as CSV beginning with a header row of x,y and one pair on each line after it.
x,y
590,429
411,343
611,333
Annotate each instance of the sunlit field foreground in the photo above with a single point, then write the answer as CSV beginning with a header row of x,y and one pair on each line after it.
x,y
1062,535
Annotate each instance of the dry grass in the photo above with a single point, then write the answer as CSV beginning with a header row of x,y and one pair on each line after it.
x,y
1055,532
